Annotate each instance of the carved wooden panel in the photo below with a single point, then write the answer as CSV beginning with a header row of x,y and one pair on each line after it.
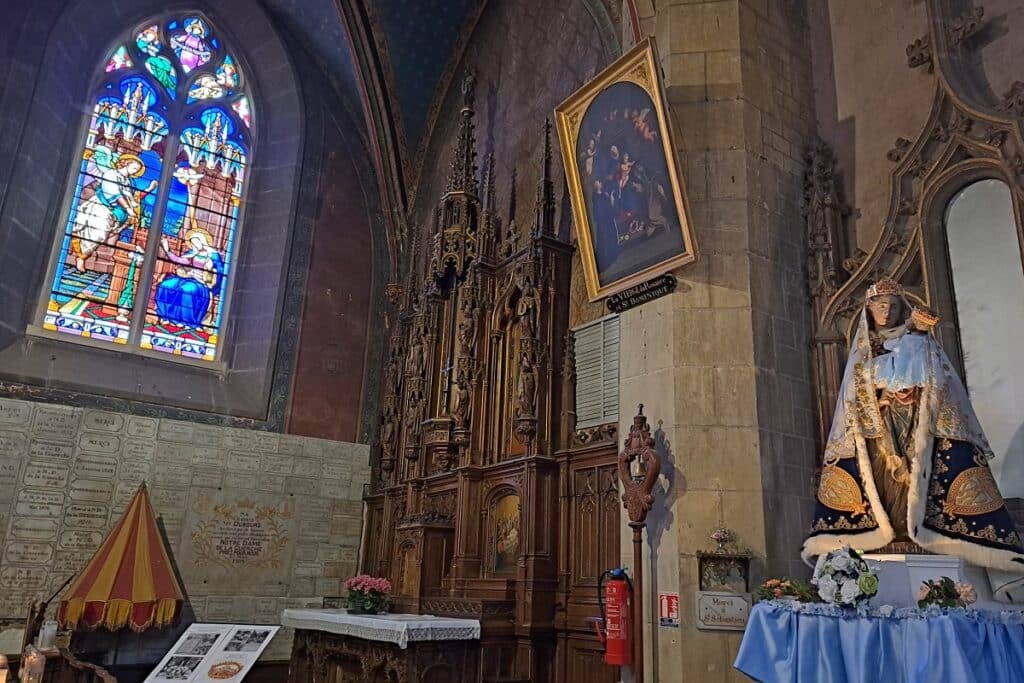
x,y
594,533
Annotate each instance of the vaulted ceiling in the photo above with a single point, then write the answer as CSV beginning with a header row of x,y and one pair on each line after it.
x,y
394,60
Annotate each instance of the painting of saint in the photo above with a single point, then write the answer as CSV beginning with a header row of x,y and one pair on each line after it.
x,y
184,296
627,195
506,534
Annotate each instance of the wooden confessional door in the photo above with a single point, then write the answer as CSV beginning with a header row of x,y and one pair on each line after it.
x,y
591,526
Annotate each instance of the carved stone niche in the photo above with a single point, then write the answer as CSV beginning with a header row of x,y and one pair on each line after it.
x,y
971,134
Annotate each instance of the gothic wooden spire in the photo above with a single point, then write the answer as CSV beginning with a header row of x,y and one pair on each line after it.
x,y
489,192
462,177
545,209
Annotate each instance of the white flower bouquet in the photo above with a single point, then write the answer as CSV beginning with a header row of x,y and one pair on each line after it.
x,y
843,577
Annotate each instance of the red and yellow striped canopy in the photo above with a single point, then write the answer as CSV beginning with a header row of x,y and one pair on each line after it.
x,y
129,581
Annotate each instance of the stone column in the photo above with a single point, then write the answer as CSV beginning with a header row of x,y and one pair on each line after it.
x,y
722,365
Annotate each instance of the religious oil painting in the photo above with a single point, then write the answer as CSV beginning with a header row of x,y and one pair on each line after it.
x,y
145,249
629,203
506,534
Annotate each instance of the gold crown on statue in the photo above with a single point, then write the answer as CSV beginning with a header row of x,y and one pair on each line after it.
x,y
923,319
885,287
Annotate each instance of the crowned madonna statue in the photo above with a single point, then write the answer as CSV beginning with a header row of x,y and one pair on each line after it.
x,y
906,459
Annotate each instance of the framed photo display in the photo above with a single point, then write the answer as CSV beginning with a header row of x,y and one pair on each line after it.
x,y
628,199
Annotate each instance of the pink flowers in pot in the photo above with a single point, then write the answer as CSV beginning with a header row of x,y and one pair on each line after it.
x,y
367,594
365,582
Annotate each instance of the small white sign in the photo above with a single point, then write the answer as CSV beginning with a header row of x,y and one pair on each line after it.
x,y
722,611
668,610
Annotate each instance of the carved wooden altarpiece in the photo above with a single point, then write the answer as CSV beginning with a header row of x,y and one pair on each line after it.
x,y
467,509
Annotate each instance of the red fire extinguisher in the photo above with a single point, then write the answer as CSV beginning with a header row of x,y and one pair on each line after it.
x,y
613,599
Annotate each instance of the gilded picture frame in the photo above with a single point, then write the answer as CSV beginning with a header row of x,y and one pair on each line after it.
x,y
627,192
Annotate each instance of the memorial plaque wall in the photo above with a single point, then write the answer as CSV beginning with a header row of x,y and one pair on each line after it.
x,y
257,522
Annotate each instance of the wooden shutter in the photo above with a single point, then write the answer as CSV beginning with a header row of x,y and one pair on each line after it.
x,y
597,372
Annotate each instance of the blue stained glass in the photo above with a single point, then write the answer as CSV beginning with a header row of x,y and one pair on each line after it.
x,y
97,289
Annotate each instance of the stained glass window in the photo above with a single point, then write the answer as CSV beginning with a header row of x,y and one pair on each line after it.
x,y
168,144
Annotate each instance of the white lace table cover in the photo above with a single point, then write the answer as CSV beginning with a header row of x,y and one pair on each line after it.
x,y
400,629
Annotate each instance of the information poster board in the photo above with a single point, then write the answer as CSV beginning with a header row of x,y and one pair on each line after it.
x,y
213,653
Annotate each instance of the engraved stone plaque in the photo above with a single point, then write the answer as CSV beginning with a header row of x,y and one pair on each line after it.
x,y
170,430
337,470
139,450
91,490
34,528
270,482
15,413
98,419
314,508
86,516
77,539
243,462
97,442
239,480
9,469
239,439
142,427
314,529
208,456
305,467
13,445
289,445
33,503
46,475
57,451
266,442
722,611
301,486
305,552
70,562
219,609
172,475
23,578
180,453
134,472
277,464
28,552
166,500
267,611
55,423
207,476
313,448
225,533
95,467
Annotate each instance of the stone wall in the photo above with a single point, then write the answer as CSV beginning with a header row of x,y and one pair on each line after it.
x,y
863,104
527,57
66,474
721,365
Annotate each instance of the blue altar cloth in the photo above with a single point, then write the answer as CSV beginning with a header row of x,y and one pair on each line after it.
x,y
827,644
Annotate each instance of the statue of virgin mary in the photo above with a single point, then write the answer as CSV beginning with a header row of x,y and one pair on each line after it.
x,y
906,459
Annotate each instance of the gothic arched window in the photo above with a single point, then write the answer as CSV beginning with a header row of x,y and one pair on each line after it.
x,y
987,280
150,228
